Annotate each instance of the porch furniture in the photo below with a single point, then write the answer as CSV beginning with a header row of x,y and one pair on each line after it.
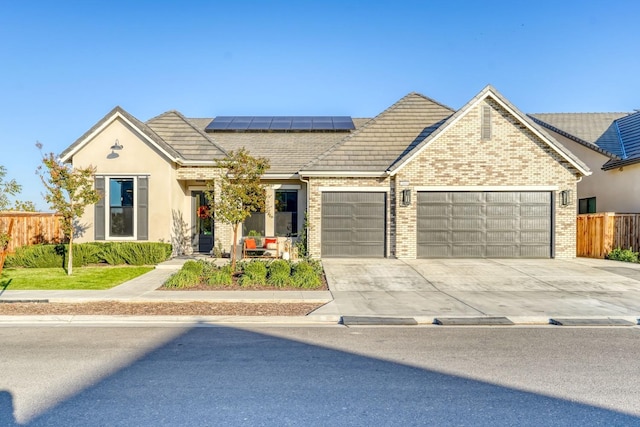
x,y
270,247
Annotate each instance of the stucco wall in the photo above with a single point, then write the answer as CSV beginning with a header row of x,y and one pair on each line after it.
x,y
616,190
136,157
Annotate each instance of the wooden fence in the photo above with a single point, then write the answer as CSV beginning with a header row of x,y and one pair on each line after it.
x,y
31,228
599,233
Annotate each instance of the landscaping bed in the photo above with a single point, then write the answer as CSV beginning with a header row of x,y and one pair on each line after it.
x,y
114,308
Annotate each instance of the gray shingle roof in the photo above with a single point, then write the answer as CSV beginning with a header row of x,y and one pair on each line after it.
x,y
287,151
386,138
190,142
594,129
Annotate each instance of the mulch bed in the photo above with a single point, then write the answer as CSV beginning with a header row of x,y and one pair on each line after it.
x,y
159,309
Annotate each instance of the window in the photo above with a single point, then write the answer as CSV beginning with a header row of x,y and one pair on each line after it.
x,y
121,198
254,224
587,205
123,212
286,215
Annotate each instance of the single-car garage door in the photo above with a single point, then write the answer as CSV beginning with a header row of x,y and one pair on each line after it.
x,y
353,224
484,225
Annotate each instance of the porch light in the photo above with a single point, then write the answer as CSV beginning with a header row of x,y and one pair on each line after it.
x,y
565,197
116,146
406,197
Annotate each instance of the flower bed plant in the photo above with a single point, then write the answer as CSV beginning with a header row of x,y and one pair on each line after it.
x,y
255,274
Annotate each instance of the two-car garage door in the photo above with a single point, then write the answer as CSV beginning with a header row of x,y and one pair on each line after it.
x,y
456,224
484,224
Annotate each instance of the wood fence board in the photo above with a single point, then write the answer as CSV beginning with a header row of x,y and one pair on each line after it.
x,y
598,234
32,228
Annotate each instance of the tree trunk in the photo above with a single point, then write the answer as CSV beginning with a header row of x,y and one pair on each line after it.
x,y
234,245
70,259
5,249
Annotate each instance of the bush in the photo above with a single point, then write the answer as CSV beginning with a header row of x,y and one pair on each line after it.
x,y
39,256
196,267
113,253
254,273
182,279
279,273
219,277
626,255
305,275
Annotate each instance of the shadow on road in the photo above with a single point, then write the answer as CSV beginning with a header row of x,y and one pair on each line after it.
x,y
227,376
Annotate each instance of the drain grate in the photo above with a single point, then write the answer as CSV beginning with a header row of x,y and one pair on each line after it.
x,y
590,322
472,321
364,320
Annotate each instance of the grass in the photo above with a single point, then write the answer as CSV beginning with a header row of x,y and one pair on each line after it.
x,y
83,278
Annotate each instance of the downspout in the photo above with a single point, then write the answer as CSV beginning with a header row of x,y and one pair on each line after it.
x,y
306,212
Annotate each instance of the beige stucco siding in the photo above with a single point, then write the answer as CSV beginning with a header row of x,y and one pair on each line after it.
x,y
616,190
138,157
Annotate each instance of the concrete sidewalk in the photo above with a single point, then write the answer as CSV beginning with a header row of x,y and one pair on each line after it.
x,y
523,291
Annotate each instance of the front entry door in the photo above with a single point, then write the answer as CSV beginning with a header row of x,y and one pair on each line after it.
x,y
203,222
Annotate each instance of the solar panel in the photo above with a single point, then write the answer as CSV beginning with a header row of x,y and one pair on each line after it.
x,y
281,123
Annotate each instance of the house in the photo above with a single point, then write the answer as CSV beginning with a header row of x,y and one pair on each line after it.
x,y
419,180
609,143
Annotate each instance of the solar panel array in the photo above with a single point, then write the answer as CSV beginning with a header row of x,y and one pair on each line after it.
x,y
281,123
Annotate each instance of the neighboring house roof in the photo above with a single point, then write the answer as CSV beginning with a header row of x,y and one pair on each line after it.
x,y
616,135
385,139
110,117
593,130
190,142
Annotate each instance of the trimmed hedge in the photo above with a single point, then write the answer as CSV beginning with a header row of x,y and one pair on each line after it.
x,y
113,253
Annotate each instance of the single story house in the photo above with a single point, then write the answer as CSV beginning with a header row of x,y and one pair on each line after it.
x,y
419,180
609,143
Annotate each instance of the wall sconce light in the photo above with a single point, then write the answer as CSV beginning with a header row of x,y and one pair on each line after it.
x,y
117,146
565,197
406,197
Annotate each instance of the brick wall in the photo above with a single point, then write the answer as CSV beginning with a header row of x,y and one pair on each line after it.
x,y
511,156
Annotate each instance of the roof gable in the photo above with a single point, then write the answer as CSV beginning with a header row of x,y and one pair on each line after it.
x,y
384,139
490,92
119,113
191,143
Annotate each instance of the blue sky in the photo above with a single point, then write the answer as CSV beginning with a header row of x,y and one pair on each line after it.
x,y
64,65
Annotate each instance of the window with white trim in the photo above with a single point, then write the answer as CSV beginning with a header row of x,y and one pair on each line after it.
x,y
121,217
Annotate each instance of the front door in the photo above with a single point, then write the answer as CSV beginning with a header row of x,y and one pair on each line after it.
x,y
203,222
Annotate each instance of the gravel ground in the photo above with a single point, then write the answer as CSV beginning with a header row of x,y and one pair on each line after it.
x,y
159,309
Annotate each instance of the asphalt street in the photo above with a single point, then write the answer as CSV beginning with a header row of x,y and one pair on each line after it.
x,y
320,375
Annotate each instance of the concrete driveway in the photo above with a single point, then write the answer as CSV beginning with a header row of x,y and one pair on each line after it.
x,y
529,290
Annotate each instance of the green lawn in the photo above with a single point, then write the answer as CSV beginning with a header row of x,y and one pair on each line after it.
x,y
93,278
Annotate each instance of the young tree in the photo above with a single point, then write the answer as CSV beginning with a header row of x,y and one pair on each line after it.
x,y
9,188
240,191
69,192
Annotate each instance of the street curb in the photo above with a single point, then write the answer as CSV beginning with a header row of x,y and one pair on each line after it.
x,y
175,320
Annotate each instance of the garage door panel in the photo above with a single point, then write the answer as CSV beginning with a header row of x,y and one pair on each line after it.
x,y
468,197
353,224
484,224
467,210
468,251
433,236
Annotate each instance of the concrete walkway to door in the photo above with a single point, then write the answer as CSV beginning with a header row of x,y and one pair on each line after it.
x,y
526,291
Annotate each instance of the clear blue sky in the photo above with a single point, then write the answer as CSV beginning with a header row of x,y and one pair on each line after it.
x,y
64,65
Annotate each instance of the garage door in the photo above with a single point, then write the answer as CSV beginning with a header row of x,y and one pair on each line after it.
x,y
353,224
484,225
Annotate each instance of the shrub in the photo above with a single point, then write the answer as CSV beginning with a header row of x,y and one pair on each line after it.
x,y
279,273
626,255
182,279
39,256
135,253
305,276
220,277
194,266
254,273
